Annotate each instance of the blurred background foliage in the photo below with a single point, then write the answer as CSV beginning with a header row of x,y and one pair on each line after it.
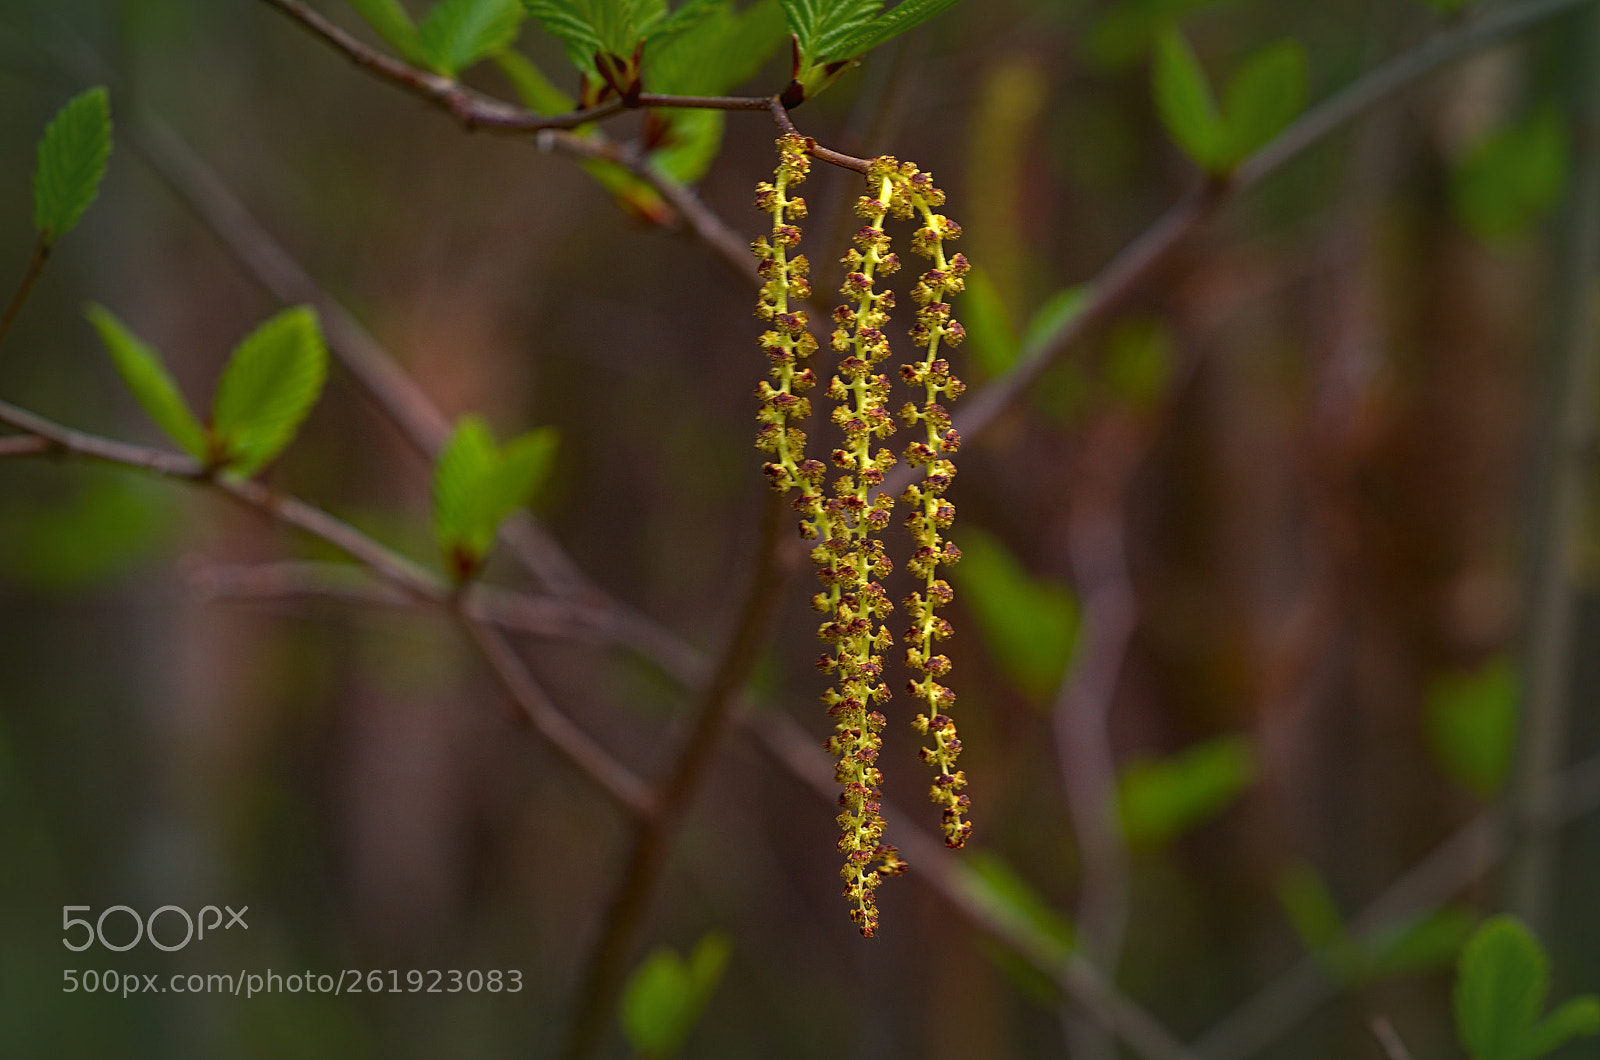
x,y
1307,446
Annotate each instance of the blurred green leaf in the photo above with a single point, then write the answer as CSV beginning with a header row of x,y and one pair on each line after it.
x,y
995,886
1265,94
1310,905
693,138
456,34
147,377
1501,982
1472,725
1513,177
1184,100
104,522
665,996
1138,360
536,91
990,334
269,385
72,160
476,485
1029,625
394,25
1418,943
1160,798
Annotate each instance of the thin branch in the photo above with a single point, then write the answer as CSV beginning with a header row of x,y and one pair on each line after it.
x,y
780,114
1388,1038
36,261
1152,249
652,842
476,110
24,445
958,884
633,794
1456,863
415,581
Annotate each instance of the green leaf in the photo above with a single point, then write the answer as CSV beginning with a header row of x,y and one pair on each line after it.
x,y
476,485
522,467
1513,177
1578,1017
665,996
269,385
72,160
147,377
905,16
1184,100
1138,360
1472,725
816,23
1058,311
995,886
1500,985
1417,943
394,25
1159,798
1028,624
1265,94
461,473
1316,920
1501,982
456,34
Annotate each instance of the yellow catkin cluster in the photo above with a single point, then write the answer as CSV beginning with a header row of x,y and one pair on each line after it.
x,y
844,519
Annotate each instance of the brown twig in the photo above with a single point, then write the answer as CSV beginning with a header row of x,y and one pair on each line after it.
x,y
780,114
631,793
652,840
36,262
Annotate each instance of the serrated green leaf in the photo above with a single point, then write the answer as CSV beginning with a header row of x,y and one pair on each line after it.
x,y
147,377
1184,100
906,15
820,24
1501,982
995,886
1158,799
1265,94
1578,1017
269,385
72,160
1472,725
456,34
1027,624
393,24
665,996
461,475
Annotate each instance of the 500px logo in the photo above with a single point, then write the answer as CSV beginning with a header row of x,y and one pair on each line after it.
x,y
145,927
